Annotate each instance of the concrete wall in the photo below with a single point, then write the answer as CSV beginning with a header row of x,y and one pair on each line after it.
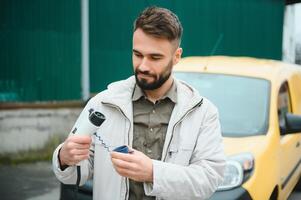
x,y
31,129
289,39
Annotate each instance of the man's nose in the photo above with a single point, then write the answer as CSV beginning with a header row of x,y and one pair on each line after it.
x,y
144,64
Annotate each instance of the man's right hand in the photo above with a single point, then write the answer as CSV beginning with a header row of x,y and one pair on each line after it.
x,y
75,149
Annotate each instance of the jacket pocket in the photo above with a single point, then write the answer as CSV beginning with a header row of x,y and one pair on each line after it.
x,y
179,155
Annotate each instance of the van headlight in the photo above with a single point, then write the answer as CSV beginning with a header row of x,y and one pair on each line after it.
x,y
238,169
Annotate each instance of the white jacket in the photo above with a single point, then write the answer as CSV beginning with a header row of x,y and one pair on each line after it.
x,y
192,161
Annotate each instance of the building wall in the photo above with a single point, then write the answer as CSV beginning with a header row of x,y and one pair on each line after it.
x,y
227,27
31,129
40,58
289,35
40,50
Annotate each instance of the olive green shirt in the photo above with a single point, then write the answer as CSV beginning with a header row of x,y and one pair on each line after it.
x,y
150,127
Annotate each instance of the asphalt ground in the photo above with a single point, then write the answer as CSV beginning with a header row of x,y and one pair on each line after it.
x,y
36,181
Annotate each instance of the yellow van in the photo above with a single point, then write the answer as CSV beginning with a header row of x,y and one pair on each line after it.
x,y
259,102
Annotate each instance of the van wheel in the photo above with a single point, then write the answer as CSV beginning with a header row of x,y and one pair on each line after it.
x,y
274,194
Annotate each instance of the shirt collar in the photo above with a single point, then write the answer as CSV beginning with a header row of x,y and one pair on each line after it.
x,y
171,93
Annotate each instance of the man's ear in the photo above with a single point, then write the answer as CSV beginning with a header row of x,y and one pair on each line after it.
x,y
178,55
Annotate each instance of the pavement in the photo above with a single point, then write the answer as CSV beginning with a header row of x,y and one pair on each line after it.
x,y
36,181
295,196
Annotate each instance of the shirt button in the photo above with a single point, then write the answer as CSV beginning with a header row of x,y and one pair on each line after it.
x,y
149,151
151,129
154,111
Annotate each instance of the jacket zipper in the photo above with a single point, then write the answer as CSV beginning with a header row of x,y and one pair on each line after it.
x,y
119,109
182,118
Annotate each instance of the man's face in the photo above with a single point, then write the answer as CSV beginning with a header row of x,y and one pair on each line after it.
x,y
153,60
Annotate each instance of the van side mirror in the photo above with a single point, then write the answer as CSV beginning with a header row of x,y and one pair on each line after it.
x,y
292,124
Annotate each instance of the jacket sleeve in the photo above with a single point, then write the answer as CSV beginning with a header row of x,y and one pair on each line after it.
x,y
70,174
198,180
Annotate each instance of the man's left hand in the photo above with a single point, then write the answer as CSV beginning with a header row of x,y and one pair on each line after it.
x,y
134,165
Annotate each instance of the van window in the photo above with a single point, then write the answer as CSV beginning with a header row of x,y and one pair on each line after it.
x,y
243,102
284,105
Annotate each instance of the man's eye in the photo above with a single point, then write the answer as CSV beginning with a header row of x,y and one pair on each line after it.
x,y
155,58
138,55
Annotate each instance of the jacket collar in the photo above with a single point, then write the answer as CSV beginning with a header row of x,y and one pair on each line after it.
x,y
170,94
120,94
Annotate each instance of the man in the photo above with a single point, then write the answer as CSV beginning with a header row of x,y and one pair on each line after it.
x,y
173,133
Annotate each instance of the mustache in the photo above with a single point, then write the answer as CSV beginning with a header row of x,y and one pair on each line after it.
x,y
148,73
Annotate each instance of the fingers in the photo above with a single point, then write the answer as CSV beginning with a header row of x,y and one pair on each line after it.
x,y
125,169
123,164
123,156
77,158
73,156
80,139
75,149
135,165
131,150
126,173
80,152
73,145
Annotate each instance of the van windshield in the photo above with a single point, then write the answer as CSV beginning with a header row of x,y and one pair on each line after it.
x,y
243,102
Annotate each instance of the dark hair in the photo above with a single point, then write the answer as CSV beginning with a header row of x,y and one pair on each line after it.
x,y
161,23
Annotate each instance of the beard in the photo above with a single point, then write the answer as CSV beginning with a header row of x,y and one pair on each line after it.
x,y
159,79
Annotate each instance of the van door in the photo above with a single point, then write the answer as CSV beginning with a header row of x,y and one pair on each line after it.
x,y
290,144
